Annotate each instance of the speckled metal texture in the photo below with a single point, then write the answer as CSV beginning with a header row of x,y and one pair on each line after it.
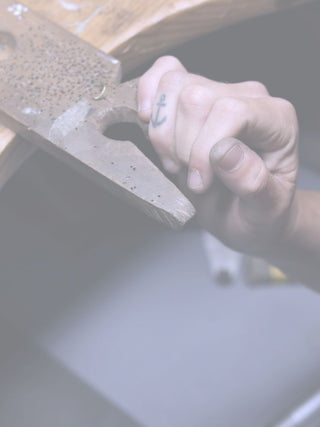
x,y
61,93
44,70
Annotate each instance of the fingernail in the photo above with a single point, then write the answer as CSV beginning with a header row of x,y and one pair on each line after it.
x,y
170,165
195,181
232,159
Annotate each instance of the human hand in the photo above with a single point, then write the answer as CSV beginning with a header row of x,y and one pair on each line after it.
x,y
238,145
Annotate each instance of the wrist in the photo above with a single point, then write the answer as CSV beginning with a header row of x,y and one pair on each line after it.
x,y
298,250
287,232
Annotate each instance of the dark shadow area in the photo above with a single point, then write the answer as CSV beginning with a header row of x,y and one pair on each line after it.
x,y
60,235
132,132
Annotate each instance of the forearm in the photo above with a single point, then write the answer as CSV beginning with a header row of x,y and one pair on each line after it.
x,y
299,254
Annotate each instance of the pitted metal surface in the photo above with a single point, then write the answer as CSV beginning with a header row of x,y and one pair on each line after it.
x,y
61,93
44,70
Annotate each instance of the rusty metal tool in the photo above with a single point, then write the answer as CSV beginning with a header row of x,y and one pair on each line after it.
x,y
61,93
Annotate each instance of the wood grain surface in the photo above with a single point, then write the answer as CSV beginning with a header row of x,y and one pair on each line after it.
x,y
135,30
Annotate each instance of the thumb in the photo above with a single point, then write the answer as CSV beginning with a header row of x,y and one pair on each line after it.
x,y
245,174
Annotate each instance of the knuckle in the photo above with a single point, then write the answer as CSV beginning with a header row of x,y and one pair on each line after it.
x,y
194,96
232,105
163,64
289,115
256,87
171,78
169,61
286,106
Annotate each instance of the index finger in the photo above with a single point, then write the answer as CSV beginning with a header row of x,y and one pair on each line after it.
x,y
149,81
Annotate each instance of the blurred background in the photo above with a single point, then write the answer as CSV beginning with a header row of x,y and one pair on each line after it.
x,y
109,319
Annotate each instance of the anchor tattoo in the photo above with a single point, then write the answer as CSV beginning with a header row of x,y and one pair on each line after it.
x,y
155,120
